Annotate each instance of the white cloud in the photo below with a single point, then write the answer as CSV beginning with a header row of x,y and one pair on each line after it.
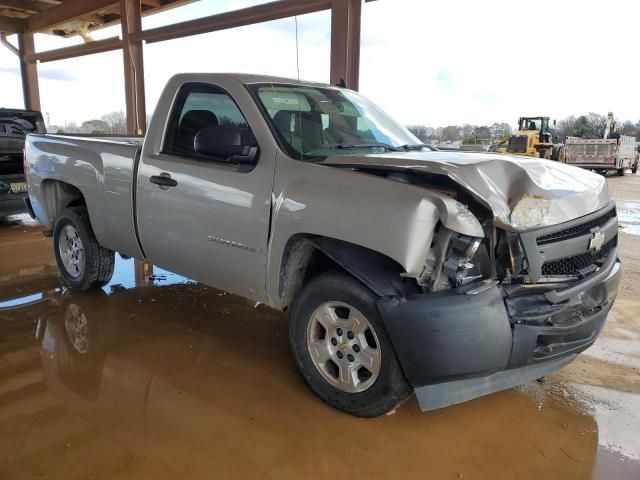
x,y
435,63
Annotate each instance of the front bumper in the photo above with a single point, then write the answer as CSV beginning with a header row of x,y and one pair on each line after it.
x,y
461,344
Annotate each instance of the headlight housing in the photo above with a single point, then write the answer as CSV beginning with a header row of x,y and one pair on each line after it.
x,y
458,265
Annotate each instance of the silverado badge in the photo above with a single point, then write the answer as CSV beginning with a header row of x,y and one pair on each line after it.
x,y
597,240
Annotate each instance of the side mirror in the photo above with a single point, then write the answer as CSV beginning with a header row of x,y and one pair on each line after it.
x,y
225,143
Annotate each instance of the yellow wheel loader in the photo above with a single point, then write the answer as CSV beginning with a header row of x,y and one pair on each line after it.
x,y
534,139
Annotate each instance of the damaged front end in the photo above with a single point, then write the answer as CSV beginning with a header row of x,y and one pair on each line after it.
x,y
506,308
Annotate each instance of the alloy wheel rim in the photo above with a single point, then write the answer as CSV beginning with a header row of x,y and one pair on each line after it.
x,y
71,251
77,326
344,347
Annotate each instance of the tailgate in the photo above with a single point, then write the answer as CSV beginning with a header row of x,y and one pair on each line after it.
x,y
583,151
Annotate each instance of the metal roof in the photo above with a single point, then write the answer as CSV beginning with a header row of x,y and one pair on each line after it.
x,y
66,18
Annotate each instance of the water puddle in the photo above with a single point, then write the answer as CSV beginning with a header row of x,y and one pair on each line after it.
x,y
618,422
629,217
157,377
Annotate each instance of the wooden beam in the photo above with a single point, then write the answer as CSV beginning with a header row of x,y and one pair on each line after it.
x,y
63,13
130,18
345,43
98,46
238,18
31,6
4,41
28,72
11,25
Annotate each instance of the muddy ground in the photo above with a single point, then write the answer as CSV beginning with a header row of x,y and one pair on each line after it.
x,y
161,378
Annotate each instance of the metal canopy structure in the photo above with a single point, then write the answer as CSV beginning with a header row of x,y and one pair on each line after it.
x,y
80,17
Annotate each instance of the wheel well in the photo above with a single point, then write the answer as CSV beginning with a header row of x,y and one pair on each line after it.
x,y
301,261
58,195
307,256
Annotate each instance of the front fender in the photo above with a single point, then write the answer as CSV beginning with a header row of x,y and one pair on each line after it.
x,y
392,218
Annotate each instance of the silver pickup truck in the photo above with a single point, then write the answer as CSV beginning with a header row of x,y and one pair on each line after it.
x,y
451,274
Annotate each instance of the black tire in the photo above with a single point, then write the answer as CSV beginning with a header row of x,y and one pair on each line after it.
x,y
542,153
621,172
98,262
389,389
560,155
634,170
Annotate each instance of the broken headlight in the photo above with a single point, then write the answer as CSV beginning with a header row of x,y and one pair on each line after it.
x,y
459,265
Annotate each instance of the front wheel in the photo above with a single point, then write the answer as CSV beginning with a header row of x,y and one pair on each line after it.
x,y
82,262
342,348
560,155
621,172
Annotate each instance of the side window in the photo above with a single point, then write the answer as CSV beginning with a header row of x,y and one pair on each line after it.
x,y
207,109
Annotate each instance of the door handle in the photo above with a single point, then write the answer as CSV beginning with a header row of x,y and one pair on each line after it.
x,y
163,180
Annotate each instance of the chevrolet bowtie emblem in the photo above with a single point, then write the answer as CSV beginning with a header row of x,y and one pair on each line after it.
x,y
597,240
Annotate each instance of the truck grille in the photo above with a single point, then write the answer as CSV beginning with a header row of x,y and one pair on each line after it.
x,y
578,230
571,266
518,144
565,250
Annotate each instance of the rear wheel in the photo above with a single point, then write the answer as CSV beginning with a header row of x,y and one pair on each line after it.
x,y
82,262
342,348
560,155
621,172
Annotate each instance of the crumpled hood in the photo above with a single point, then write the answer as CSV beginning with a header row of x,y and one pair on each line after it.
x,y
547,192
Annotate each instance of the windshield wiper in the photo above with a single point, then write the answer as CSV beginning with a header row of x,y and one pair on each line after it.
x,y
352,146
415,146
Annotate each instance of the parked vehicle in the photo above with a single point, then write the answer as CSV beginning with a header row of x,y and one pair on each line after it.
x,y
612,152
454,274
14,127
533,138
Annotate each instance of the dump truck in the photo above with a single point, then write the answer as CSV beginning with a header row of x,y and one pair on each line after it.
x,y
612,152
401,269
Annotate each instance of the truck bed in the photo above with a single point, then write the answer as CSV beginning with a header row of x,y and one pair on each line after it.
x,y
604,154
103,166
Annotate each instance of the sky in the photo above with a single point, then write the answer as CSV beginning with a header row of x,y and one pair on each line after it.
x,y
425,62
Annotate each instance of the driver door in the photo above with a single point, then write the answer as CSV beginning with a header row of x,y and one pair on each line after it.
x,y
207,219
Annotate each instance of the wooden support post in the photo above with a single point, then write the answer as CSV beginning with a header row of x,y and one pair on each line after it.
x,y
345,42
143,271
29,72
130,14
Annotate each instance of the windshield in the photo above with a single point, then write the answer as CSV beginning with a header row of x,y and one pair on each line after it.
x,y
530,124
314,122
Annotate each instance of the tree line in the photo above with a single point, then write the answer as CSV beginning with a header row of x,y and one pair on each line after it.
x,y
113,123
590,125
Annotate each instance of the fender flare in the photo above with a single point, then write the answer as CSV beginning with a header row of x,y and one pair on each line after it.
x,y
377,271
